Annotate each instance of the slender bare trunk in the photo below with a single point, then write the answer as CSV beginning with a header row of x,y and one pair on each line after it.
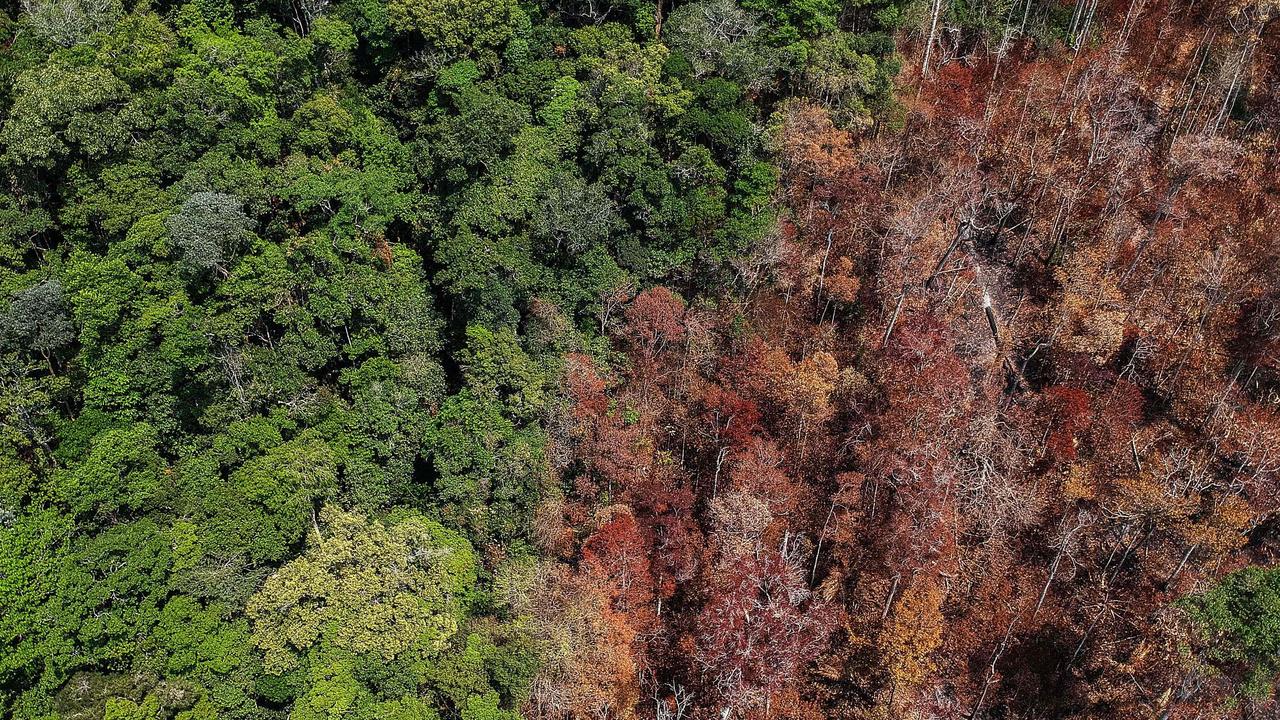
x,y
928,48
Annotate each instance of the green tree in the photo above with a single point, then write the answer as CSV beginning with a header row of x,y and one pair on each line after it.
x,y
718,37
121,474
59,108
1239,623
365,587
453,26
207,229
37,319
844,74
495,366
269,502
70,22
488,472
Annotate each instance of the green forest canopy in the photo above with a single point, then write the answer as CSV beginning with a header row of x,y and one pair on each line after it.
x,y
285,288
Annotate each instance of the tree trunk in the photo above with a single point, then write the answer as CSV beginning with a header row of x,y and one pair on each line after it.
x,y
928,48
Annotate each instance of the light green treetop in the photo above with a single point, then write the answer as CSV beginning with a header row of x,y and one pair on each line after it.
x,y
365,587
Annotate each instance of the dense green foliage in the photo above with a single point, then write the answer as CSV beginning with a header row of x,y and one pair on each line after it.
x,y
1240,621
262,261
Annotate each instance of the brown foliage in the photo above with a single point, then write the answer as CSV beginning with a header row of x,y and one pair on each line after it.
x,y
1013,393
